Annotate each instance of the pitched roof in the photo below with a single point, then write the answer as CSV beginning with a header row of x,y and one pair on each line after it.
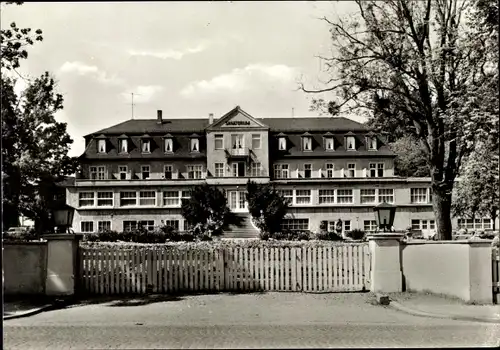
x,y
306,124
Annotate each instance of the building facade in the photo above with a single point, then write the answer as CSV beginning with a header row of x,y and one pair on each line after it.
x,y
136,173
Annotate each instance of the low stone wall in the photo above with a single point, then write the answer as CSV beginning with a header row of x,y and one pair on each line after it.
x,y
24,267
438,267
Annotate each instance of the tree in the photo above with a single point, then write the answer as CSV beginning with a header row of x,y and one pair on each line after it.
x,y
424,68
477,192
267,206
34,150
410,160
206,210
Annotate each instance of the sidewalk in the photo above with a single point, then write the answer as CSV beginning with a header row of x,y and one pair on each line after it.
x,y
30,305
439,306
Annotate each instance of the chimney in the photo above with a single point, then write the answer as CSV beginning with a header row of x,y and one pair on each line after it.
x,y
210,118
159,116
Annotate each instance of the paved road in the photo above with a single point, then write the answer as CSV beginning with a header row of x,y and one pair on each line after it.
x,y
241,321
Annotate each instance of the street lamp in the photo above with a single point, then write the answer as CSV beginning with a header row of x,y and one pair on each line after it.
x,y
63,217
384,213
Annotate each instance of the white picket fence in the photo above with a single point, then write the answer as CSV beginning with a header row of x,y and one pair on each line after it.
x,y
343,267
495,260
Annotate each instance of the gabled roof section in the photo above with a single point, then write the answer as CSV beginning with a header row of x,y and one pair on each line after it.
x,y
145,136
102,136
123,136
235,111
313,124
370,134
305,134
281,135
328,134
194,136
167,136
350,133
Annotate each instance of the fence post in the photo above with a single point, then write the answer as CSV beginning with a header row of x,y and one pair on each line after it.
x,y
62,264
385,251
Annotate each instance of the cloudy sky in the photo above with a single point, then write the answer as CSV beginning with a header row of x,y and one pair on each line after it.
x,y
186,58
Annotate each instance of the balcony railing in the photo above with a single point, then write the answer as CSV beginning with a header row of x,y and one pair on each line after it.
x,y
238,152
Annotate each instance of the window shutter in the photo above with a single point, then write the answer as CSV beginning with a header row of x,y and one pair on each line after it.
x,y
342,173
364,172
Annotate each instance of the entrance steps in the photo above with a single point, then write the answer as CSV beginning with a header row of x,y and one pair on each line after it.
x,y
241,228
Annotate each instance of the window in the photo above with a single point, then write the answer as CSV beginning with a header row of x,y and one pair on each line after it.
x,y
386,195
103,226
147,198
101,173
146,146
169,145
219,141
351,143
303,196
219,169
171,199
295,224
372,143
370,225
282,144
145,172
186,194
195,145
418,195
326,196
347,225
123,145
281,171
367,196
307,143
287,194
344,196
168,171
128,198
172,223
477,224
333,224
104,199
376,170
237,141
255,141
255,169
129,226
351,170
432,224
417,224
87,226
328,143
148,225
93,173
307,170
86,199
122,170
487,224
329,170
101,146
194,171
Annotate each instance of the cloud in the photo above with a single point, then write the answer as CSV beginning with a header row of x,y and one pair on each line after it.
x,y
83,69
176,54
143,93
241,79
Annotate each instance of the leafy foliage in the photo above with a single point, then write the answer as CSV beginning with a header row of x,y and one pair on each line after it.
x,y
411,160
356,234
206,211
422,68
267,206
13,43
161,235
477,192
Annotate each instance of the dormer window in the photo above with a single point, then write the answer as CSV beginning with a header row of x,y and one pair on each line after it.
x,y
307,142
146,144
195,143
101,146
328,142
169,143
123,144
282,142
350,143
372,143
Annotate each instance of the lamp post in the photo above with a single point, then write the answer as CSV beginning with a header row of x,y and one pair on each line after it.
x,y
63,217
384,213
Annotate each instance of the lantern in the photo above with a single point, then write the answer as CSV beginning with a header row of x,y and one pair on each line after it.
x,y
384,213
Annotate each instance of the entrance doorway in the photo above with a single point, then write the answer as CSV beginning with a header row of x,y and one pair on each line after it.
x,y
238,202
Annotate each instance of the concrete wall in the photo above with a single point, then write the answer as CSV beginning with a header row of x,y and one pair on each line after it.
x,y
440,267
25,267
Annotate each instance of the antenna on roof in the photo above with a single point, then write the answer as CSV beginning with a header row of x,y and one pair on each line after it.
x,y
132,104
293,110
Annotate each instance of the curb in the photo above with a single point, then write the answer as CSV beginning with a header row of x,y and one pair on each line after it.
x,y
398,306
58,304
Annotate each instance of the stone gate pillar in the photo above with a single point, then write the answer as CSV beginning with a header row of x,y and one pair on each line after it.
x,y
385,253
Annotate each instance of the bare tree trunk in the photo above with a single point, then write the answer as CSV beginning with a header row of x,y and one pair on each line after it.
x,y
442,209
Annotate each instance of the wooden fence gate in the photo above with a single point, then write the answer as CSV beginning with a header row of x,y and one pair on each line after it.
x,y
336,268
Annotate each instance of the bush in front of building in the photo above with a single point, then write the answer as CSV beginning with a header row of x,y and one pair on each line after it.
x,y
160,235
356,234
267,207
291,235
328,236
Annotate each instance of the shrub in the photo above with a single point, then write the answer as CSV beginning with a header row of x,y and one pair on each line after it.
x,y
29,235
328,236
267,206
108,236
356,234
291,235
264,236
